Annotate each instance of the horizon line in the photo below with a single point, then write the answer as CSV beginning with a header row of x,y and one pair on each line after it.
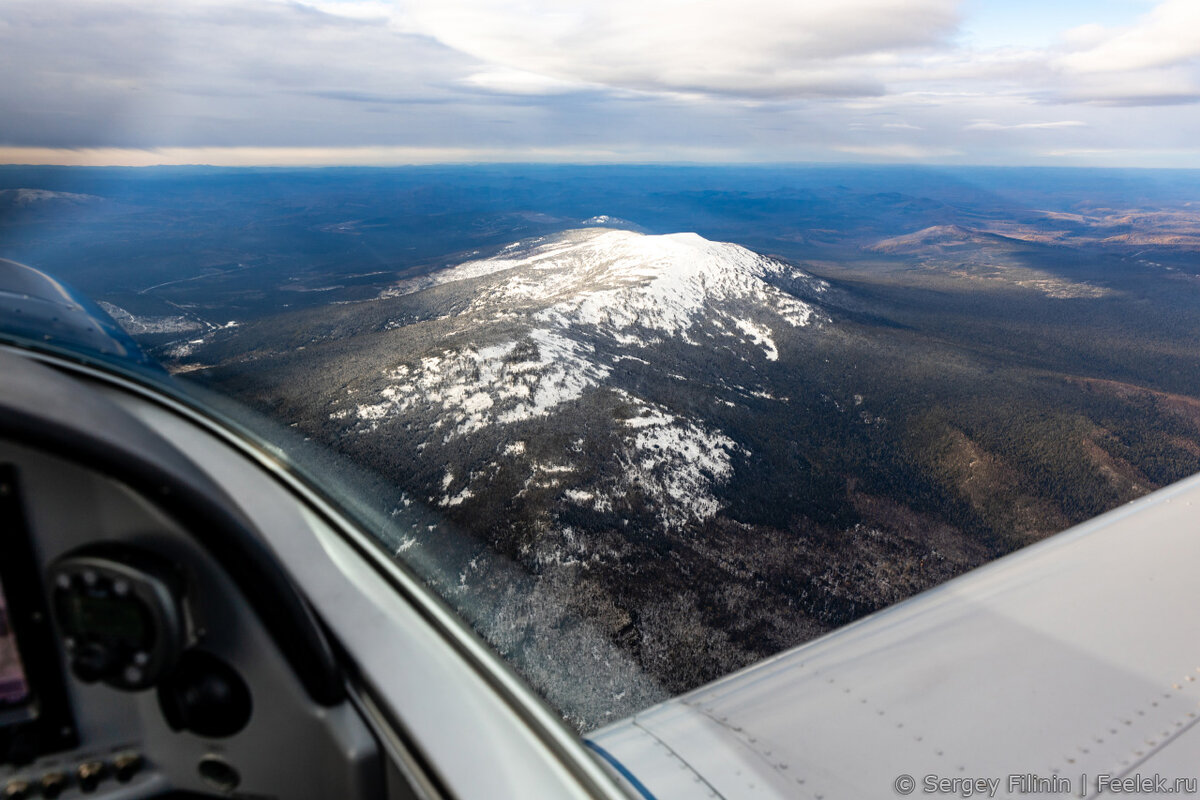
x,y
233,157
608,164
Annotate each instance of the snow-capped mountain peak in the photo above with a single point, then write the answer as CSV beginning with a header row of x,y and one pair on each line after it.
x,y
633,287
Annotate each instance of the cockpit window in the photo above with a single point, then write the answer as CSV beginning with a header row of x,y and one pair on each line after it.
x,y
657,339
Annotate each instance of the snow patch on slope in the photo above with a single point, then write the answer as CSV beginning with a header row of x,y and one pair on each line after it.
x,y
471,388
136,325
676,463
759,335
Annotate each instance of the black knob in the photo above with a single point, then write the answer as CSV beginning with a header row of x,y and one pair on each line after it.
x,y
93,662
90,773
53,784
205,695
126,765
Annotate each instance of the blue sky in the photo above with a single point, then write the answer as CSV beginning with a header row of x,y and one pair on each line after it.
x,y
1104,83
1040,23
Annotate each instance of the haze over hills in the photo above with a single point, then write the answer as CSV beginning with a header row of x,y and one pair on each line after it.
x,y
982,256
696,417
34,198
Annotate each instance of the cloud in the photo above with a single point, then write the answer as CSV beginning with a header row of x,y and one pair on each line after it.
x,y
1153,62
407,81
127,73
1169,35
518,82
1137,97
363,156
988,125
753,48
1155,87
903,152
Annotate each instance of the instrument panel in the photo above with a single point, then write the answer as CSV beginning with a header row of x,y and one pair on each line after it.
x,y
131,665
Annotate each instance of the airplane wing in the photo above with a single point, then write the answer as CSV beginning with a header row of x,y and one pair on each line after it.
x,y
1057,670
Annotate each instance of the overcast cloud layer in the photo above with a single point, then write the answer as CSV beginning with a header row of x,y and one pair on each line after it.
x,y
415,81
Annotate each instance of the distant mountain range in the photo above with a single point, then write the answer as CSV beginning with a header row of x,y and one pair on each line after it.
x,y
938,237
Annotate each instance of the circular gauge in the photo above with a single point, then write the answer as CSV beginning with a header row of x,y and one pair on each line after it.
x,y
120,616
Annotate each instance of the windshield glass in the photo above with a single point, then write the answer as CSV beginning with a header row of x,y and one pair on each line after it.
x,y
655,349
